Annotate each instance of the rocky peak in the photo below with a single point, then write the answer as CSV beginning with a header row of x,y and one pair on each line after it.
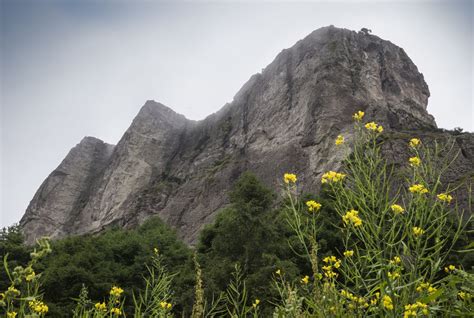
x,y
284,119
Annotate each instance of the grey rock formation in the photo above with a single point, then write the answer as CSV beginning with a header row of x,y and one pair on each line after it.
x,y
284,119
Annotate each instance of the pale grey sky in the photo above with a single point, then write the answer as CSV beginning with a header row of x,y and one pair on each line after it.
x,y
76,68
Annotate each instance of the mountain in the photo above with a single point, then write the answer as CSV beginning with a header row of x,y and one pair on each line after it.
x,y
284,119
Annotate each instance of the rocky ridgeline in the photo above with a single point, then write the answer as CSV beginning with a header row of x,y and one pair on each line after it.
x,y
282,120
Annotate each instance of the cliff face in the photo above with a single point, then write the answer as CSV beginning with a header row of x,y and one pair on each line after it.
x,y
284,119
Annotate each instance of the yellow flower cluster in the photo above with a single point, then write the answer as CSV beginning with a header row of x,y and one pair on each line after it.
x,y
11,314
339,140
332,262
397,209
101,306
352,217
375,300
413,309
426,287
417,231
313,206
165,305
358,115
393,275
414,142
332,176
357,301
418,188
450,268
255,303
414,161
38,306
374,127
289,178
116,291
30,276
444,197
12,291
305,280
464,296
387,302
349,253
115,311
396,260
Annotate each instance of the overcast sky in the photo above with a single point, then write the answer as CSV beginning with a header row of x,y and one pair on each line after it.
x,y
71,69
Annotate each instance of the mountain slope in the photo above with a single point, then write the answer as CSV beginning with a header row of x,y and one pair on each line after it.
x,y
283,119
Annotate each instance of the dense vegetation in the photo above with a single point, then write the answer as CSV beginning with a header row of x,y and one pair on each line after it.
x,y
367,247
116,257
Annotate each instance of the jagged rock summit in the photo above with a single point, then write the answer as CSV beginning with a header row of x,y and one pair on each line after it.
x,y
284,119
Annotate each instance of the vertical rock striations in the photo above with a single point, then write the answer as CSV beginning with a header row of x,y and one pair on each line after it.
x,y
284,119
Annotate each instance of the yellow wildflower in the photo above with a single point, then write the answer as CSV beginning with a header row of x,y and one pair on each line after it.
x,y
464,296
352,217
397,209
256,302
116,311
358,115
450,268
116,291
332,176
305,280
418,188
330,274
393,275
426,287
412,309
387,302
278,272
444,197
156,251
414,142
417,231
313,206
414,161
169,306
349,253
339,140
327,268
30,276
371,126
11,314
396,260
374,127
38,306
289,178
330,259
12,291
101,306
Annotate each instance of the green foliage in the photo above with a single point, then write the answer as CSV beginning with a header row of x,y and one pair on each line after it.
x,y
154,299
11,243
251,233
116,257
23,298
